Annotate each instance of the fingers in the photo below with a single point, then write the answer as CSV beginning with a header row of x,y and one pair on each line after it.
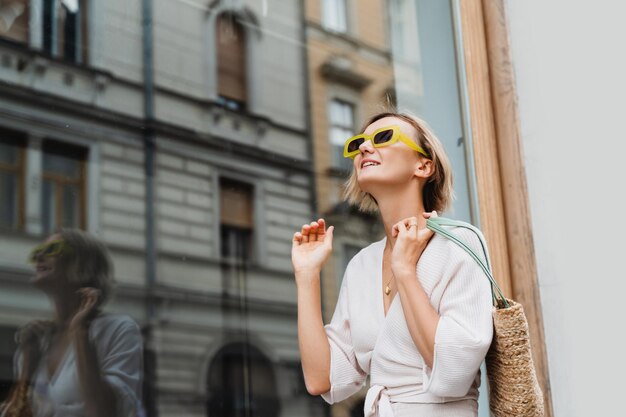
x,y
312,232
329,234
89,297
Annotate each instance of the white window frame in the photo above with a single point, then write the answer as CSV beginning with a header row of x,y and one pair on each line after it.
x,y
335,15
344,129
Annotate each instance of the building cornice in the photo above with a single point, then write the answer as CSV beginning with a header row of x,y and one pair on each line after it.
x,y
137,125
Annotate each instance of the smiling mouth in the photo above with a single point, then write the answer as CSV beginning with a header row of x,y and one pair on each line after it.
x,y
369,164
42,268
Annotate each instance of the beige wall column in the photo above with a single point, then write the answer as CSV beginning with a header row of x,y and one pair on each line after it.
x,y
502,191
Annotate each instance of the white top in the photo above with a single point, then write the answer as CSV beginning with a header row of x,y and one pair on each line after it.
x,y
118,343
364,341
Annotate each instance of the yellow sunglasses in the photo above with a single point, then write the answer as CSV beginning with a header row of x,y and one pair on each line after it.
x,y
384,136
48,249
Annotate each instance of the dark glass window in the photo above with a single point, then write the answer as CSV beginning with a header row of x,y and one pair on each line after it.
x,y
241,383
236,220
11,180
64,29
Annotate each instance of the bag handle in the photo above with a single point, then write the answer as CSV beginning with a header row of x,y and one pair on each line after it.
x,y
436,225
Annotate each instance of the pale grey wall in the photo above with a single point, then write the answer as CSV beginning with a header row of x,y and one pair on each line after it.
x,y
570,66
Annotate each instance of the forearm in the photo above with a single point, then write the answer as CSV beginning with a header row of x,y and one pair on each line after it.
x,y
312,339
421,318
99,397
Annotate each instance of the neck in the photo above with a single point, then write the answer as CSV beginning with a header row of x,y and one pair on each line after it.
x,y
398,204
65,306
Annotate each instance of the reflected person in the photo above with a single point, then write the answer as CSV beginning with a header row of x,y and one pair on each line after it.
x,y
83,362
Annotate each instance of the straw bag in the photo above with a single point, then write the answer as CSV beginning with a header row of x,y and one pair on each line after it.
x,y
513,387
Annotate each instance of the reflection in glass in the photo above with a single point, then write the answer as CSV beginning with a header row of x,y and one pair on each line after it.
x,y
63,185
8,195
11,174
241,383
341,128
81,361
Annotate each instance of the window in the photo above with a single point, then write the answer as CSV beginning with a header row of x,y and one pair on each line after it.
x,y
335,16
231,62
11,180
64,29
63,199
341,115
14,20
241,382
7,351
236,220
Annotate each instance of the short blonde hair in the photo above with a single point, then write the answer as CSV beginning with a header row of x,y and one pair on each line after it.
x,y
87,263
437,193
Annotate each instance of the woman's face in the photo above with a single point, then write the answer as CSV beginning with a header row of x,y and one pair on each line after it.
x,y
45,259
387,166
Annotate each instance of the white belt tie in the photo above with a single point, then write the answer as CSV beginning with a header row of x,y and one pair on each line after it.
x,y
377,402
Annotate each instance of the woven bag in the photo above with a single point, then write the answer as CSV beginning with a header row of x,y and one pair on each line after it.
x,y
513,387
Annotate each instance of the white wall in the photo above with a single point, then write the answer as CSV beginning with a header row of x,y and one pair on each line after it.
x,y
570,68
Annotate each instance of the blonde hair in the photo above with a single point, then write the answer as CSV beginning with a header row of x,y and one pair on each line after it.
x,y
437,193
87,263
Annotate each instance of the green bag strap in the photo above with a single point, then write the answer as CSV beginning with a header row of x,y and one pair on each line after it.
x,y
436,225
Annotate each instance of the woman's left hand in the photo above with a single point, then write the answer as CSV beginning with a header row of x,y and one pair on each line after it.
x,y
88,304
409,245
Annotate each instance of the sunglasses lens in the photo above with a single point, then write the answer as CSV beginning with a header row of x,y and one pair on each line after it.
x,y
46,249
53,248
354,144
383,137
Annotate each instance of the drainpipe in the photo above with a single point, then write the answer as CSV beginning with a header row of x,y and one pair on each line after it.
x,y
150,359
310,149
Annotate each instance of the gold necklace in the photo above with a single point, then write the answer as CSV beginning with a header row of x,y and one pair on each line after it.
x,y
387,288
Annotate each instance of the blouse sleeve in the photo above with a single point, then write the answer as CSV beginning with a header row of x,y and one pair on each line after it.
x,y
346,376
122,366
465,326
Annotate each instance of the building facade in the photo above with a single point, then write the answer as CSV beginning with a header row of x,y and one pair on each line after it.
x,y
195,136
176,132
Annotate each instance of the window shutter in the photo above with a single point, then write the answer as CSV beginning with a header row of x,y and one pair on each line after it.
x,y
236,208
231,58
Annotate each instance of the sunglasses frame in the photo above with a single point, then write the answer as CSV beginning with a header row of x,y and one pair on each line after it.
x,y
397,135
43,248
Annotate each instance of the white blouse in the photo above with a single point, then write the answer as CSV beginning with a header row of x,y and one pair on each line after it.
x,y
118,343
364,341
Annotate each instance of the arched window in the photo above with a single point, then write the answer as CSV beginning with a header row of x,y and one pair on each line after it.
x,y
231,61
241,383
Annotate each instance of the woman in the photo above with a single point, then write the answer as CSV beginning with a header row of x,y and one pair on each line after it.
x,y
83,362
414,310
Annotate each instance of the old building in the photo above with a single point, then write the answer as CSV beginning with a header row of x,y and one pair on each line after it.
x,y
177,133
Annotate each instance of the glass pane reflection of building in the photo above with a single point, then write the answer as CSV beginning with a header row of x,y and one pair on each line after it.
x,y
252,101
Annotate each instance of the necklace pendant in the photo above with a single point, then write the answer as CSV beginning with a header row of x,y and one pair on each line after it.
x,y
387,290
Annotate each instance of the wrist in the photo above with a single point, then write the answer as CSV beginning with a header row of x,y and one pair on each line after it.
x,y
80,329
307,273
404,273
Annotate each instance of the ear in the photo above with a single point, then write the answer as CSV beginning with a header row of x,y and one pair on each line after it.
x,y
424,168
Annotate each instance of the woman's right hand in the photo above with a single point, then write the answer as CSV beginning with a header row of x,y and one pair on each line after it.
x,y
30,335
311,247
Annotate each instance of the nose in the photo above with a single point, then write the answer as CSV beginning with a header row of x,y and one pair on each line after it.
x,y
38,256
366,146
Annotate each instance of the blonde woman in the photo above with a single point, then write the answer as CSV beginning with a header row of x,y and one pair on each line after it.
x,y
414,310
83,362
